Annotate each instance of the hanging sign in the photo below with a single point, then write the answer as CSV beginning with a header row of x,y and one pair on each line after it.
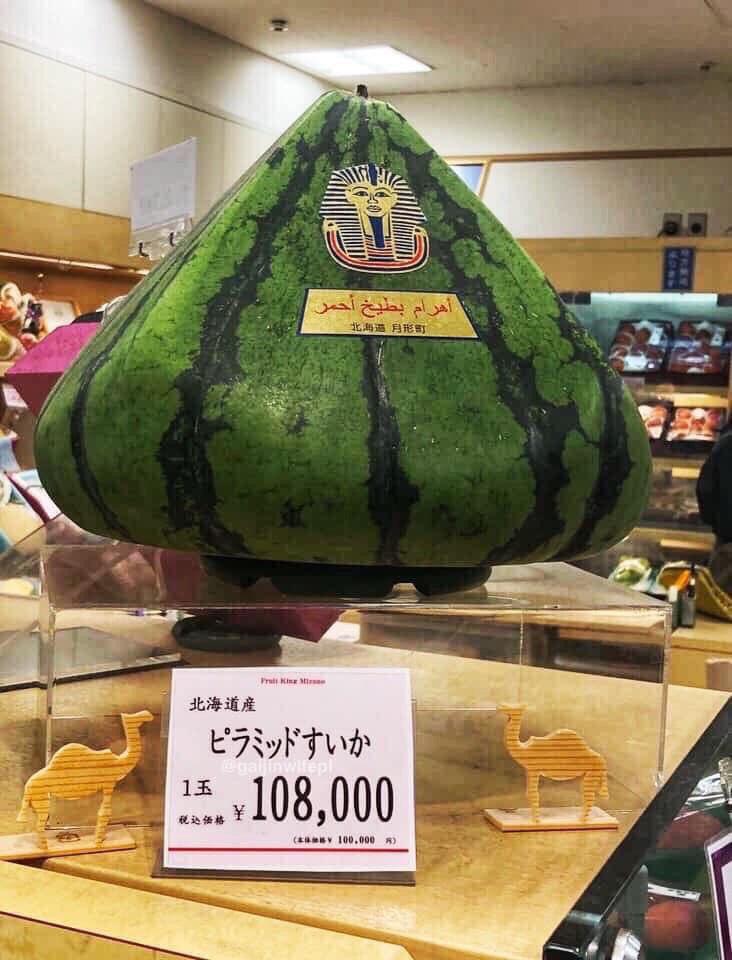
x,y
162,197
290,771
678,269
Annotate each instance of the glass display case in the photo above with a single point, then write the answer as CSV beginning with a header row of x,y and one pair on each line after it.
x,y
673,351
652,899
100,625
102,615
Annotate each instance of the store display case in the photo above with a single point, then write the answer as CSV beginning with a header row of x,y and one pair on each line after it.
x,y
652,897
536,625
105,616
673,351
577,651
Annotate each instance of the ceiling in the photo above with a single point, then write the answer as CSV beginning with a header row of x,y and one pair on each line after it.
x,y
473,44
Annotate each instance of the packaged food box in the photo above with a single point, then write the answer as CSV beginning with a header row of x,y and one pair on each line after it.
x,y
655,415
640,346
700,349
696,424
672,499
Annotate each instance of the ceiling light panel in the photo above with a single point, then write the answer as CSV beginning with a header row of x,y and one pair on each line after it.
x,y
356,62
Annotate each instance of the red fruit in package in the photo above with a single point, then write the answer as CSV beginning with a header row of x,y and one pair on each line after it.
x,y
678,925
689,831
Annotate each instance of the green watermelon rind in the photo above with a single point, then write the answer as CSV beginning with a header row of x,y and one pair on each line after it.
x,y
198,419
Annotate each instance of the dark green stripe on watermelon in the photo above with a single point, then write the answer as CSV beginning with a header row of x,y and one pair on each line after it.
x,y
200,419
391,495
68,399
87,478
183,454
541,422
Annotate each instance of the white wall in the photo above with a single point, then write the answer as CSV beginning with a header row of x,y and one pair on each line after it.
x,y
608,198
543,120
597,198
89,86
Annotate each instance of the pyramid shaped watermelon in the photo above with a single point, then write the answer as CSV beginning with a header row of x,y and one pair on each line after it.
x,y
348,363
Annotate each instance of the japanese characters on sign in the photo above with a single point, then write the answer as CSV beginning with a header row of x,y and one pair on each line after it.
x,y
268,766
678,269
379,313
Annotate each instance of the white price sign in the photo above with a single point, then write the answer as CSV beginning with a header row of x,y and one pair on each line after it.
x,y
163,187
290,770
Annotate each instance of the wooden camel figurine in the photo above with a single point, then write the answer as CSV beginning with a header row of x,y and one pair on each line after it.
x,y
76,771
561,755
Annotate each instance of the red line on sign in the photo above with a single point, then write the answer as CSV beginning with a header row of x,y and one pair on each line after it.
x,y
287,850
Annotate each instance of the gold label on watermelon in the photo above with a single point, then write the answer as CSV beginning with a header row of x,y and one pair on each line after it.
x,y
372,222
385,313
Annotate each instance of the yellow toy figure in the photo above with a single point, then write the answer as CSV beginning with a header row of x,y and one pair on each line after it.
x,y
73,772
22,324
13,305
560,755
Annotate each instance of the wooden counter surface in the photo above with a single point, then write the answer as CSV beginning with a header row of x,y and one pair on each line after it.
x,y
479,893
691,647
710,635
59,918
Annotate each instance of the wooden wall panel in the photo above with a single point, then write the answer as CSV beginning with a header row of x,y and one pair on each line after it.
x,y
714,270
628,264
123,126
618,264
87,289
587,269
27,226
688,667
42,110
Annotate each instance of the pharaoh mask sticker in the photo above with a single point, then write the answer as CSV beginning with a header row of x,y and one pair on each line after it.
x,y
372,222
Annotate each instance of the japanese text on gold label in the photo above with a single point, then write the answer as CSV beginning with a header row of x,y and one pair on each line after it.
x,y
381,313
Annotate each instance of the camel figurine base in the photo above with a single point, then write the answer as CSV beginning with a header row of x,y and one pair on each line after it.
x,y
550,818
76,771
63,843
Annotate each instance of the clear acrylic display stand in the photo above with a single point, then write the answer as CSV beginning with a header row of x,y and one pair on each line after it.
x,y
578,651
154,243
